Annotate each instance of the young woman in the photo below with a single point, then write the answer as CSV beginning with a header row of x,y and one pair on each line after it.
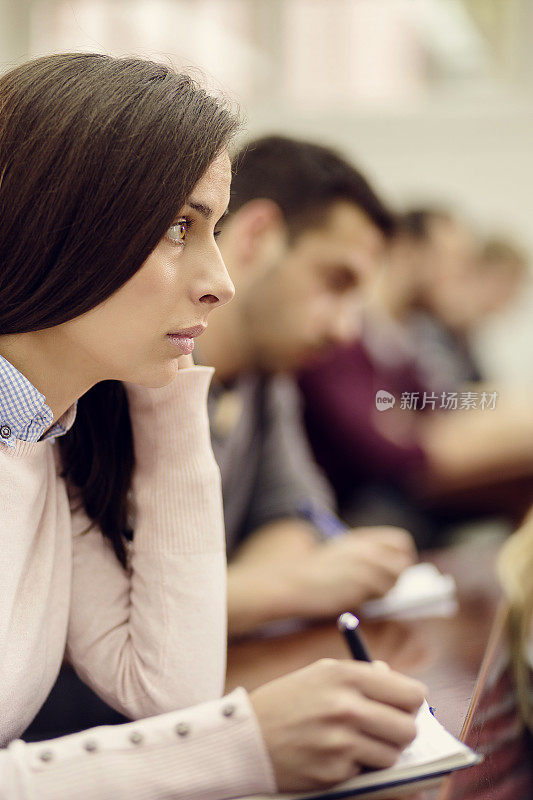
x,y
113,175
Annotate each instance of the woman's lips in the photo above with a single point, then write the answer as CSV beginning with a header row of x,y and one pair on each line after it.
x,y
184,339
182,342
195,330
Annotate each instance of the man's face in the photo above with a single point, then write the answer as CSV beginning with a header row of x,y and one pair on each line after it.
x,y
311,297
450,271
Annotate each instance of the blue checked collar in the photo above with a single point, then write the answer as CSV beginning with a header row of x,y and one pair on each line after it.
x,y
24,414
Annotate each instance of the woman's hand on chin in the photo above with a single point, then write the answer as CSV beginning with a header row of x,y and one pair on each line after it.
x,y
184,362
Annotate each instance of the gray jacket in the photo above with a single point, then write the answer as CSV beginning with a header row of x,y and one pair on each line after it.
x,y
268,471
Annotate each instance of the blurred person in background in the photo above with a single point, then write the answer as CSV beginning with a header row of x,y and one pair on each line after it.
x,y
515,568
503,269
499,722
304,239
115,173
390,463
462,283
444,310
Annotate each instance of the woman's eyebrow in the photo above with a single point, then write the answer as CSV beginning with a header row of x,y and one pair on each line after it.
x,y
202,209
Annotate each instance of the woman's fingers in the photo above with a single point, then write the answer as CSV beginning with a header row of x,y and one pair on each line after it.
x,y
385,723
397,690
323,721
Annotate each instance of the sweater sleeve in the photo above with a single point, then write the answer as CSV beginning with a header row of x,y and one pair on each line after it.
x,y
153,639
209,752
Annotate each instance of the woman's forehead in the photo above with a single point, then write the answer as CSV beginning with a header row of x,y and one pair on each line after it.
x,y
212,189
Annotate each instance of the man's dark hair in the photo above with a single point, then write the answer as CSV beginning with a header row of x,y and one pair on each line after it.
x,y
303,179
416,222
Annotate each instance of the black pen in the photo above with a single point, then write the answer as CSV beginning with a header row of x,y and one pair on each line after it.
x,y
347,624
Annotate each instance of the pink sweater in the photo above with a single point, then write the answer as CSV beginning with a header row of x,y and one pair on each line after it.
x,y
149,641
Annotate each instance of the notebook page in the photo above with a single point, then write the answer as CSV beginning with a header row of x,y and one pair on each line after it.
x,y
432,743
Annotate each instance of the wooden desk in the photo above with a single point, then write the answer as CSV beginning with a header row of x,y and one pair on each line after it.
x,y
444,653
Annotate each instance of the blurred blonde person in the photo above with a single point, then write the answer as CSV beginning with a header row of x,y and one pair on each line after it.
x,y
515,567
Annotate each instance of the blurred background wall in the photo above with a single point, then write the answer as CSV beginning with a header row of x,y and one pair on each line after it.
x,y
432,98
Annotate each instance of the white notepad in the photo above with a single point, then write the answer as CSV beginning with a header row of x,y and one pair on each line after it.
x,y
432,755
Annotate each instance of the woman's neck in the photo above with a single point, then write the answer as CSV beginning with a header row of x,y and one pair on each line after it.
x,y
37,355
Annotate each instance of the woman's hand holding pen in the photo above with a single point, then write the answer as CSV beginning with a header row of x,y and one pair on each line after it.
x,y
323,723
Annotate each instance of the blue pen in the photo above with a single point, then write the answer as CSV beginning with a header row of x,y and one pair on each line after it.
x,y
323,520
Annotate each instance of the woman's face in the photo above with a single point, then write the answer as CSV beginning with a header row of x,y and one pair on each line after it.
x,y
139,333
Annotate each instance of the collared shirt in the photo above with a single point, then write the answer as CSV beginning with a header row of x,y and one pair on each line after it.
x,y
24,414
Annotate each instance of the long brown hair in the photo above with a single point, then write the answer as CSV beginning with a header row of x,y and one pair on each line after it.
x,y
97,155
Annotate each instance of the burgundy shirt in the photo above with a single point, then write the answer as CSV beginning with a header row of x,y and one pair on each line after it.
x,y
343,423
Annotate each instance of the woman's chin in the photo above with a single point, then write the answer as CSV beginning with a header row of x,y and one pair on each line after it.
x,y
156,379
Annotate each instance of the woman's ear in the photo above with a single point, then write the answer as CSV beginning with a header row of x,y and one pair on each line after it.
x,y
252,225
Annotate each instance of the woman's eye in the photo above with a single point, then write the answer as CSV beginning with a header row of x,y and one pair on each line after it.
x,y
178,231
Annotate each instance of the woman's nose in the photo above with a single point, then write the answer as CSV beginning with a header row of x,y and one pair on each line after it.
x,y
217,287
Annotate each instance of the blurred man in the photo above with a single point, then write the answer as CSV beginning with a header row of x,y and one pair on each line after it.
x,y
448,300
502,274
460,284
436,455
303,241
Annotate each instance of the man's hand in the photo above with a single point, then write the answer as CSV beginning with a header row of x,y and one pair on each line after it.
x,y
323,723
293,575
342,573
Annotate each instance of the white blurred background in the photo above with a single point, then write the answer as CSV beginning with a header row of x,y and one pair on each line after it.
x,y
432,98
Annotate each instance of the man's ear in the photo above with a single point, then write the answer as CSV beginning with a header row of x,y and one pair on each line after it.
x,y
253,224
